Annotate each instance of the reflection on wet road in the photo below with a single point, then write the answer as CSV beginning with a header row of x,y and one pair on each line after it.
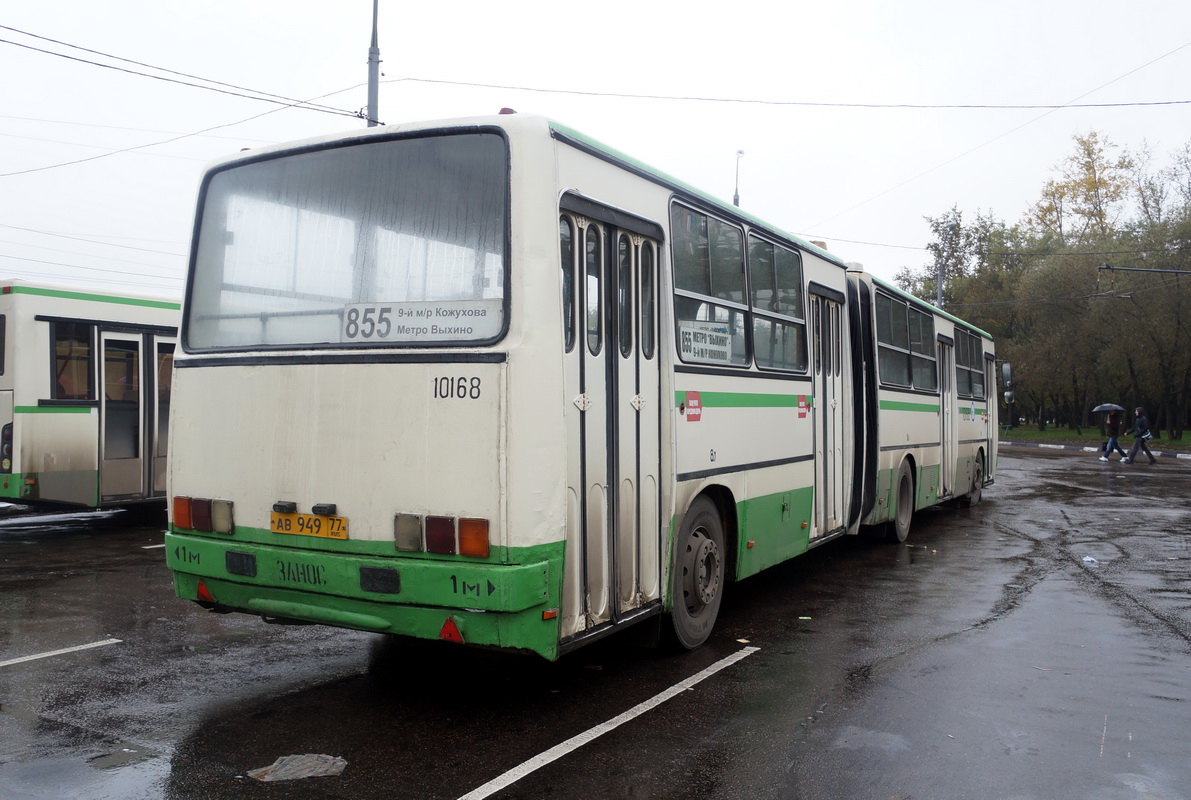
x,y
1036,646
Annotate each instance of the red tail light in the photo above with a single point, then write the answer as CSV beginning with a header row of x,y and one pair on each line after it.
x,y
182,513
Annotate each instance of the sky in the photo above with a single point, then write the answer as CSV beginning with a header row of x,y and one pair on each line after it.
x,y
845,111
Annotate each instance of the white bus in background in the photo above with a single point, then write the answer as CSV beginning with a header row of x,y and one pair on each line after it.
x,y
491,381
84,395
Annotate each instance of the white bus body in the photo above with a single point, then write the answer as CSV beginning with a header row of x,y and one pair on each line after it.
x,y
84,395
489,381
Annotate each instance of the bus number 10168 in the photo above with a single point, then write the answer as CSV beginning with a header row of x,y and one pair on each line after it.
x,y
456,388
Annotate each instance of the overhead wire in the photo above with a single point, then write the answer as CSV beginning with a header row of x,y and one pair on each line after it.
x,y
93,269
164,141
799,103
125,128
93,241
287,102
1052,110
96,147
256,94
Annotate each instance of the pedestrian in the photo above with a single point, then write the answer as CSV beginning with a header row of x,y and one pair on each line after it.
x,y
1141,434
1113,423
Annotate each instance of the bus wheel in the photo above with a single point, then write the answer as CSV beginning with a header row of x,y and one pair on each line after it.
x,y
698,575
973,497
897,530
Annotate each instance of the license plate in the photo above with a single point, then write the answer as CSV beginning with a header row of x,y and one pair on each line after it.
x,y
309,525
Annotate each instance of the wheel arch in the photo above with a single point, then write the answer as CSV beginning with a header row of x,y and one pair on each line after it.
x,y
912,462
725,503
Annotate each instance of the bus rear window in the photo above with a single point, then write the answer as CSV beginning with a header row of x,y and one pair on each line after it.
x,y
393,243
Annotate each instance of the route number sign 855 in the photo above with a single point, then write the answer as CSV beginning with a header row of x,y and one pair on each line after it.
x,y
367,322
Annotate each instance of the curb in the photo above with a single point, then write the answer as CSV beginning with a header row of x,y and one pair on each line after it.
x,y
1078,449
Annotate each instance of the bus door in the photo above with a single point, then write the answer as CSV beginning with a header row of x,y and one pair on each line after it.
x,y
828,349
948,445
610,302
162,373
121,415
990,413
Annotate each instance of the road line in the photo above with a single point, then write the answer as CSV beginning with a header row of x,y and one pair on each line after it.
x,y
63,651
575,742
151,546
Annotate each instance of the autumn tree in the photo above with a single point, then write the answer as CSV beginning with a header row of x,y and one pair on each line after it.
x,y
1083,296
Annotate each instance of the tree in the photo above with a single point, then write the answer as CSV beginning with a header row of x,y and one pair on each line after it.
x,y
1086,200
1078,334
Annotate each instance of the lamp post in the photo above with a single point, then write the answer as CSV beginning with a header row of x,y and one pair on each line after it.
x,y
373,72
736,195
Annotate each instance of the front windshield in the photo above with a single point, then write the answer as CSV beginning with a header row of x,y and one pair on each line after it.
x,y
398,242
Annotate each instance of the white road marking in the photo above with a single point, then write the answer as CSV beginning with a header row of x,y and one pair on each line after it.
x,y
574,743
63,651
151,546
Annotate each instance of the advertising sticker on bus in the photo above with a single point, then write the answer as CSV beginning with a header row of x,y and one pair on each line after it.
x,y
423,321
710,342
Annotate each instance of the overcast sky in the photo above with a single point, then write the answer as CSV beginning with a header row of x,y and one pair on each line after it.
x,y
817,162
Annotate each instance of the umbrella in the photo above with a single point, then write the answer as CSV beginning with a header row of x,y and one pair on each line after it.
x,y
1107,407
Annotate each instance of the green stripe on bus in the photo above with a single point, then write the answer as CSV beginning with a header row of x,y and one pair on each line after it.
x,y
897,405
98,298
52,409
742,400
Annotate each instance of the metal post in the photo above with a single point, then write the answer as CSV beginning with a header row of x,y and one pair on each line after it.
x,y
736,195
373,72
939,285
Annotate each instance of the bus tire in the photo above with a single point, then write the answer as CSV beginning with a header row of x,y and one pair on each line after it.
x,y
972,498
897,529
697,580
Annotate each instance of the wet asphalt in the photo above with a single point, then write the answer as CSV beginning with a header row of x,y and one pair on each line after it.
x,y
1035,646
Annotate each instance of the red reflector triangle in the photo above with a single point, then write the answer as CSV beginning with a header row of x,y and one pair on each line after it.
x,y
203,594
450,631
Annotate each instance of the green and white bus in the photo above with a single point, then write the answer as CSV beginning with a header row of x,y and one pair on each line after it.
x,y
490,381
84,395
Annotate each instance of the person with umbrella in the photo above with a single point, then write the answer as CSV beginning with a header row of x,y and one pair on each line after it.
x,y
1113,423
1141,434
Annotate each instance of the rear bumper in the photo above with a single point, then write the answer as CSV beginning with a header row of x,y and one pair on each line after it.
x,y
491,604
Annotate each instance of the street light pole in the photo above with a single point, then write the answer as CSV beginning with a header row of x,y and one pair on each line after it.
x,y
373,72
736,196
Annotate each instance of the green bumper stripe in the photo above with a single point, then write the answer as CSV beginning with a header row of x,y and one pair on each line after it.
x,y
522,630
313,613
421,582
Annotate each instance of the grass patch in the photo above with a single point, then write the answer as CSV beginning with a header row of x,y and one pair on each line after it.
x,y
1088,437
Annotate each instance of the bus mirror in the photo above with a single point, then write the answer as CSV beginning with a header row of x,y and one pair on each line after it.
x,y
1008,398
1007,374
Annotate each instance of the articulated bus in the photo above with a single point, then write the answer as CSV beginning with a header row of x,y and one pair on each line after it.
x,y
490,381
84,395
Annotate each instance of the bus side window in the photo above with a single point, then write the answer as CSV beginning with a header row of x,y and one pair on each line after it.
x,y
647,295
566,239
71,342
594,251
624,294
